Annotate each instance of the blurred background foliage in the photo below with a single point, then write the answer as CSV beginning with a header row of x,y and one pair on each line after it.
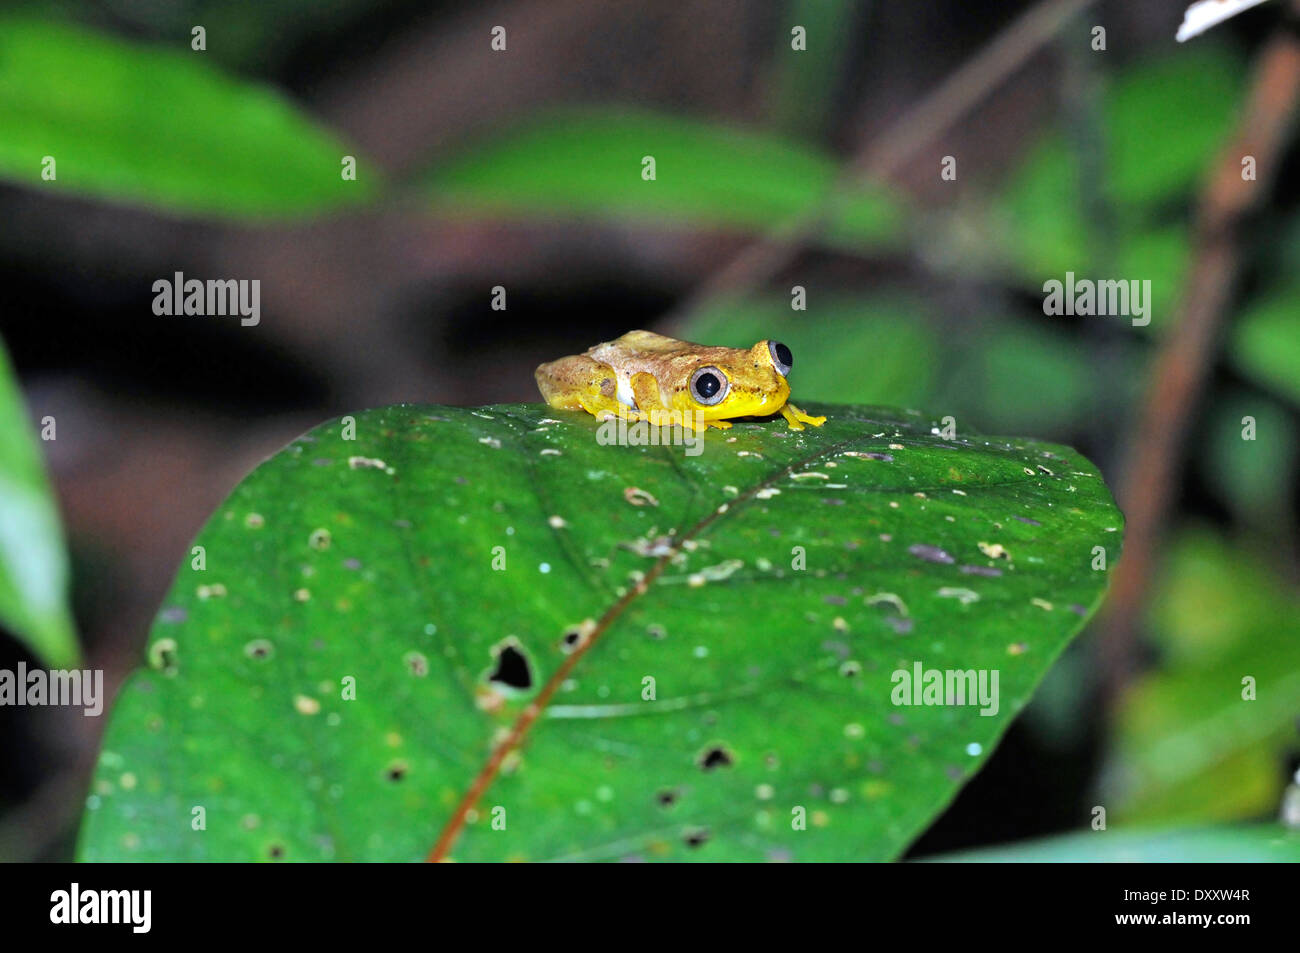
x,y
523,169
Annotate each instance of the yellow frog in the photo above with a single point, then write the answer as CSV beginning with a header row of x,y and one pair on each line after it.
x,y
647,376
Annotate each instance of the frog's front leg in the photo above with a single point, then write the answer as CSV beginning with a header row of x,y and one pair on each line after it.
x,y
796,418
650,403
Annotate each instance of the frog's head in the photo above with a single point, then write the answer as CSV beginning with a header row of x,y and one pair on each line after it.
x,y
739,383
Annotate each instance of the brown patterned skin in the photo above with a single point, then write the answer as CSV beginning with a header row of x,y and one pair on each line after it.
x,y
647,376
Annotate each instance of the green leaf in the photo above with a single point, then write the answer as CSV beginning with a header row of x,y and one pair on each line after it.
x,y
136,123
804,81
881,349
33,563
1186,102
372,559
1190,745
832,335
1256,843
589,163
1265,343
1255,477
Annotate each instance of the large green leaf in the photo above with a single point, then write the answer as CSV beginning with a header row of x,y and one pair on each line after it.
x,y
1258,843
161,126
589,163
373,559
33,562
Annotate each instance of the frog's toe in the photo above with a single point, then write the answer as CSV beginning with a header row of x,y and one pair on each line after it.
x,y
720,424
797,418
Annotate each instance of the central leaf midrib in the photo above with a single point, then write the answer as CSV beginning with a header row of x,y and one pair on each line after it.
x,y
524,722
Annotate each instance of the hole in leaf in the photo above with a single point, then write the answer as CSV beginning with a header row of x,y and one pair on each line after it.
x,y
666,798
512,669
396,771
276,851
696,837
714,757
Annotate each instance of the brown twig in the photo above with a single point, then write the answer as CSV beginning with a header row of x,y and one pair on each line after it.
x,y
1187,352
760,261
524,721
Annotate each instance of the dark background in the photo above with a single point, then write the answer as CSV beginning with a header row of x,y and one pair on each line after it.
x,y
159,417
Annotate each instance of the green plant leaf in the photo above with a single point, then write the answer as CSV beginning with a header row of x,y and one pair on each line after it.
x,y
1257,843
1265,343
804,81
1012,375
589,163
832,336
33,562
1254,477
145,124
1187,102
1190,745
373,559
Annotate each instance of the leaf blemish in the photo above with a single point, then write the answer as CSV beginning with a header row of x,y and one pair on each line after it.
x,y
696,838
370,463
576,635
890,598
163,656
989,571
929,553
714,757
994,550
512,669
964,596
416,663
639,497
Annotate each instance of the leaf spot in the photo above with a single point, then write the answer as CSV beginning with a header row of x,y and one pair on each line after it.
x,y
714,757
931,554
639,497
259,649
512,668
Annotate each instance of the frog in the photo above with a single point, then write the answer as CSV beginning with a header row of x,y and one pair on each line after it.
x,y
647,376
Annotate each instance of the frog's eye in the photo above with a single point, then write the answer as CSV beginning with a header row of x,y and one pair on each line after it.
x,y
709,385
781,357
